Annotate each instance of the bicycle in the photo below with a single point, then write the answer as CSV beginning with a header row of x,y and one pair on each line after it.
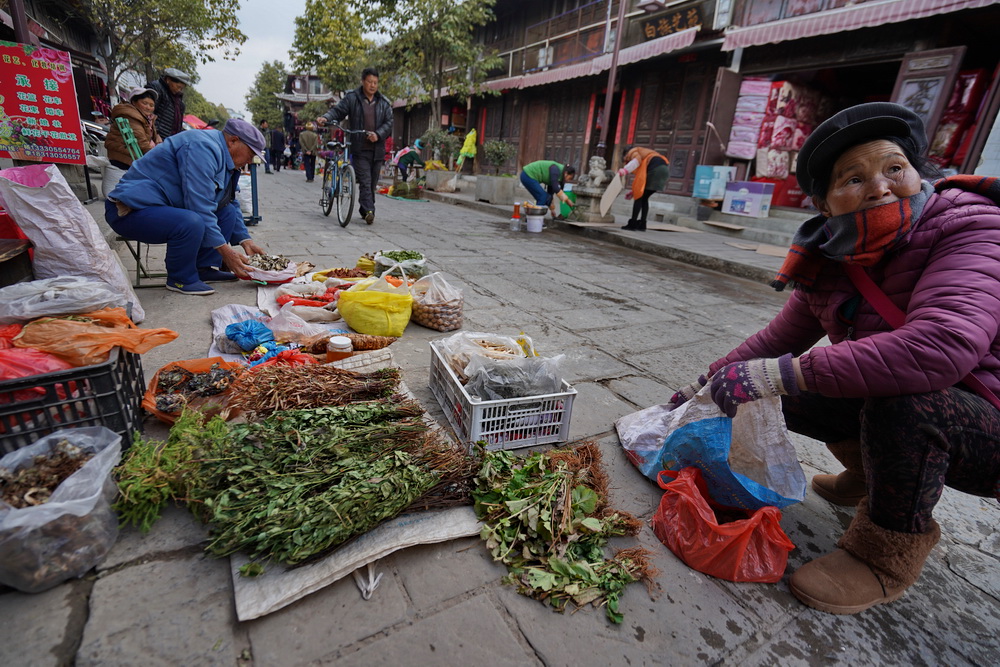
x,y
339,185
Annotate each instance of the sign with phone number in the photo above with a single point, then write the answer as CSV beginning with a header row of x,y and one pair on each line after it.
x,y
39,118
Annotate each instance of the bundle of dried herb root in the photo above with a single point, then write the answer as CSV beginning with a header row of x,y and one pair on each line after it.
x,y
299,483
265,390
547,518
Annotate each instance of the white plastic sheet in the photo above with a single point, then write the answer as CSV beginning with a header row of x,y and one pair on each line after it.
x,y
67,240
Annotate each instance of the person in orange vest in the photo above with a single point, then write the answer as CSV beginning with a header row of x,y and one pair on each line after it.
x,y
651,174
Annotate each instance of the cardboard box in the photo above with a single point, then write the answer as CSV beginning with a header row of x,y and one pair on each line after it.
x,y
710,181
748,198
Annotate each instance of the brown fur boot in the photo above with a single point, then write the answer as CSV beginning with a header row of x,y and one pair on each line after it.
x,y
848,488
873,566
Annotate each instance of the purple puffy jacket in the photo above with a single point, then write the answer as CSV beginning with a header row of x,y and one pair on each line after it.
x,y
947,281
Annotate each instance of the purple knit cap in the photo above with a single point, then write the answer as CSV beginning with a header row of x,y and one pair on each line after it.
x,y
246,133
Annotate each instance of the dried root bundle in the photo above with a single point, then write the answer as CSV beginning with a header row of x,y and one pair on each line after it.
x,y
272,388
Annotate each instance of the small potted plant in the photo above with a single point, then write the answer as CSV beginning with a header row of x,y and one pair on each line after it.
x,y
498,188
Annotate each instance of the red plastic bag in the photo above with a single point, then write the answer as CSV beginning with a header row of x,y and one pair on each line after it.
x,y
754,548
17,362
288,358
7,334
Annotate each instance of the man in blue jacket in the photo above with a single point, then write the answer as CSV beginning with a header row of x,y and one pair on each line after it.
x,y
370,111
183,193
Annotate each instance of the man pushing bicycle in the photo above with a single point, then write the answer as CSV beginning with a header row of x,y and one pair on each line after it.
x,y
369,111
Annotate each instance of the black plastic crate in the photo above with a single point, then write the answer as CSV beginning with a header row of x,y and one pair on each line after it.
x,y
107,394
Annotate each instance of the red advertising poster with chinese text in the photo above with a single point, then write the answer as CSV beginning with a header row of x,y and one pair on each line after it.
x,y
39,119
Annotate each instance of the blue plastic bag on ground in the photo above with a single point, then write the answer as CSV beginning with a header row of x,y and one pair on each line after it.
x,y
747,461
248,334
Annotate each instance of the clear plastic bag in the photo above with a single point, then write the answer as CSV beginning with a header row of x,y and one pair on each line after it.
x,y
436,304
496,379
45,545
459,349
64,295
413,268
290,328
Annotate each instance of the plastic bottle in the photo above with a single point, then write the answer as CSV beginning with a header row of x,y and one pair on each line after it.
x,y
515,220
338,347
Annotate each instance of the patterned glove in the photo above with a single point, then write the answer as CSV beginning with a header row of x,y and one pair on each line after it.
x,y
685,394
745,381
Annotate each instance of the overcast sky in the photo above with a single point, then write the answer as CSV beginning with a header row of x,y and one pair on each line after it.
x,y
270,29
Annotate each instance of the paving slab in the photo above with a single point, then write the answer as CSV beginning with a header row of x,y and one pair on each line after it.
x,y
176,529
469,633
594,410
166,612
324,622
642,392
42,629
435,573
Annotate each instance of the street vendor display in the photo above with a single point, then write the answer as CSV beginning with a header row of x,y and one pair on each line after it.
x,y
905,399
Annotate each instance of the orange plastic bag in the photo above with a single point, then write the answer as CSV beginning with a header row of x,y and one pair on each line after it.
x,y
84,343
208,405
754,548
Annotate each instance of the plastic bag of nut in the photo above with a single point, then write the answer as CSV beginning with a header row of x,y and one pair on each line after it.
x,y
436,304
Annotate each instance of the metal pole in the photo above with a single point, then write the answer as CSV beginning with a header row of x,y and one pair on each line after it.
x,y
609,96
20,20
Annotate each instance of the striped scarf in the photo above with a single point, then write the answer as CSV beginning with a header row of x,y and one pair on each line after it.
x,y
864,237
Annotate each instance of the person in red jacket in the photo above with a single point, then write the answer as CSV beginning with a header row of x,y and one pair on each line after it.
x,y
903,276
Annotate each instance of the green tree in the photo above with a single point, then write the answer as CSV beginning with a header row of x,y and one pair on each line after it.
x,y
434,44
147,36
329,41
195,103
313,109
260,99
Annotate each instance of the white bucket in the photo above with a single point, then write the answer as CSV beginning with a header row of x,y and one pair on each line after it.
x,y
534,222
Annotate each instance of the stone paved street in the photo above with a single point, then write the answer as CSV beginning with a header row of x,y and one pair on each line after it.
x,y
633,326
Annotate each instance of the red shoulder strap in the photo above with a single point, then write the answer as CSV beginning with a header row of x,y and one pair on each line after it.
x,y
891,313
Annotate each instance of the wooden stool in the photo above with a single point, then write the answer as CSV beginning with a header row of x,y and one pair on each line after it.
x,y
141,272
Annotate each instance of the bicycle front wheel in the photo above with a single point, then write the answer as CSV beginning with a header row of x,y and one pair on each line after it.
x,y
326,198
348,195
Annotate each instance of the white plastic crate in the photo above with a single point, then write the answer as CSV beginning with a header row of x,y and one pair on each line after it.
x,y
502,424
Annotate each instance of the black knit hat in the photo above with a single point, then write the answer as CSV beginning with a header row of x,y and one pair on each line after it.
x,y
853,126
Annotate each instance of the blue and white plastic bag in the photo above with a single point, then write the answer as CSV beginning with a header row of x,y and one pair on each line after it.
x,y
748,461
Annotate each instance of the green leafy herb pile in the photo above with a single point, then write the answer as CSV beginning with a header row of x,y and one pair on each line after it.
x,y
154,473
546,517
402,255
300,482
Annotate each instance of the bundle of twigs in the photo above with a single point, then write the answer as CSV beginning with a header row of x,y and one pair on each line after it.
x,y
302,482
272,388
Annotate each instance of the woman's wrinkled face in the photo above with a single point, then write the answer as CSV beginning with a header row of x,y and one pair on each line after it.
x,y
145,105
867,175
